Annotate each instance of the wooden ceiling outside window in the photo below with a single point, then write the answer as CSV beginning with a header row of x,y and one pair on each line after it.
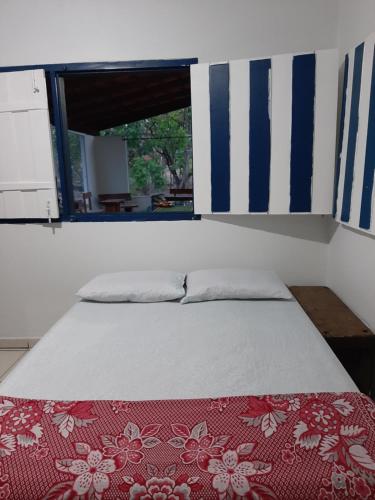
x,y
101,100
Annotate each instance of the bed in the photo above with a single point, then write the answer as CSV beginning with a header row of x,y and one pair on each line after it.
x,y
220,399
135,351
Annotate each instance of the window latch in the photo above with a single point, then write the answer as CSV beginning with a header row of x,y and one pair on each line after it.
x,y
49,211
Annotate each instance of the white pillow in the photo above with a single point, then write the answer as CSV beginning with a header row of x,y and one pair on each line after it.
x,y
134,286
215,284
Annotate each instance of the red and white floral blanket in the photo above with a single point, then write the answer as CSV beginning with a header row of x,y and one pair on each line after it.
x,y
305,446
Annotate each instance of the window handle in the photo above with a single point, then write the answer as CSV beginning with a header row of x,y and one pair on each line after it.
x,y
49,211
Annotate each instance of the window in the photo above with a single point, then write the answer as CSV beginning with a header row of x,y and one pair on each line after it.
x,y
122,135
96,141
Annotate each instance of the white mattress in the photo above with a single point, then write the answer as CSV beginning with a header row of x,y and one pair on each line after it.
x,y
168,350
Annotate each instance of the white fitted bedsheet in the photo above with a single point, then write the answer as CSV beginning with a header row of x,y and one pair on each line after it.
x,y
168,350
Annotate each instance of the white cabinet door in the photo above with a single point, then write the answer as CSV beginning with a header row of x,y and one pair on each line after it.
x,y
355,200
264,134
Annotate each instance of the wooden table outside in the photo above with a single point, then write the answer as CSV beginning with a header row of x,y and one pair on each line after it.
x,y
115,204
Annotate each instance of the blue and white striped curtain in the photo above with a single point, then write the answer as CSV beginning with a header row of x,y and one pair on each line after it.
x,y
264,134
355,205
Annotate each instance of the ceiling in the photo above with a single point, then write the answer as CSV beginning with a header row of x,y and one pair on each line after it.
x,y
101,100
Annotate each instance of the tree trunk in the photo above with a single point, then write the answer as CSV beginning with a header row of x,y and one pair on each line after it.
x,y
186,174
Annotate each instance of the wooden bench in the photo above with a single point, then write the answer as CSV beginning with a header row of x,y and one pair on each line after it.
x,y
350,339
183,194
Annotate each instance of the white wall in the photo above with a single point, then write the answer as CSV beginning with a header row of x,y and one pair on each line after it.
x,y
40,268
106,166
111,170
356,20
351,254
89,177
50,31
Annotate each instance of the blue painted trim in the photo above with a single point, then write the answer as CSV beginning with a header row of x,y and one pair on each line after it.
x,y
220,152
135,217
341,135
259,136
59,112
115,217
369,170
29,221
353,130
301,160
106,66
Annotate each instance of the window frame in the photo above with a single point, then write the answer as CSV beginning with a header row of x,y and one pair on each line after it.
x,y
55,73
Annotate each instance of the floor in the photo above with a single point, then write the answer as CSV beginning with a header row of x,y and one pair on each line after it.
x,y
11,352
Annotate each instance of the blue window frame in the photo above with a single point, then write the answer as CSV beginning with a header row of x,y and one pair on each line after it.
x,y
55,74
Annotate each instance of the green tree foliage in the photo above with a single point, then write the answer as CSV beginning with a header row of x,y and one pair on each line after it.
x,y
160,151
146,175
75,160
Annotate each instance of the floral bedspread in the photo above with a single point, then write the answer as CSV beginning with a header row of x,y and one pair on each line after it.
x,y
298,446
